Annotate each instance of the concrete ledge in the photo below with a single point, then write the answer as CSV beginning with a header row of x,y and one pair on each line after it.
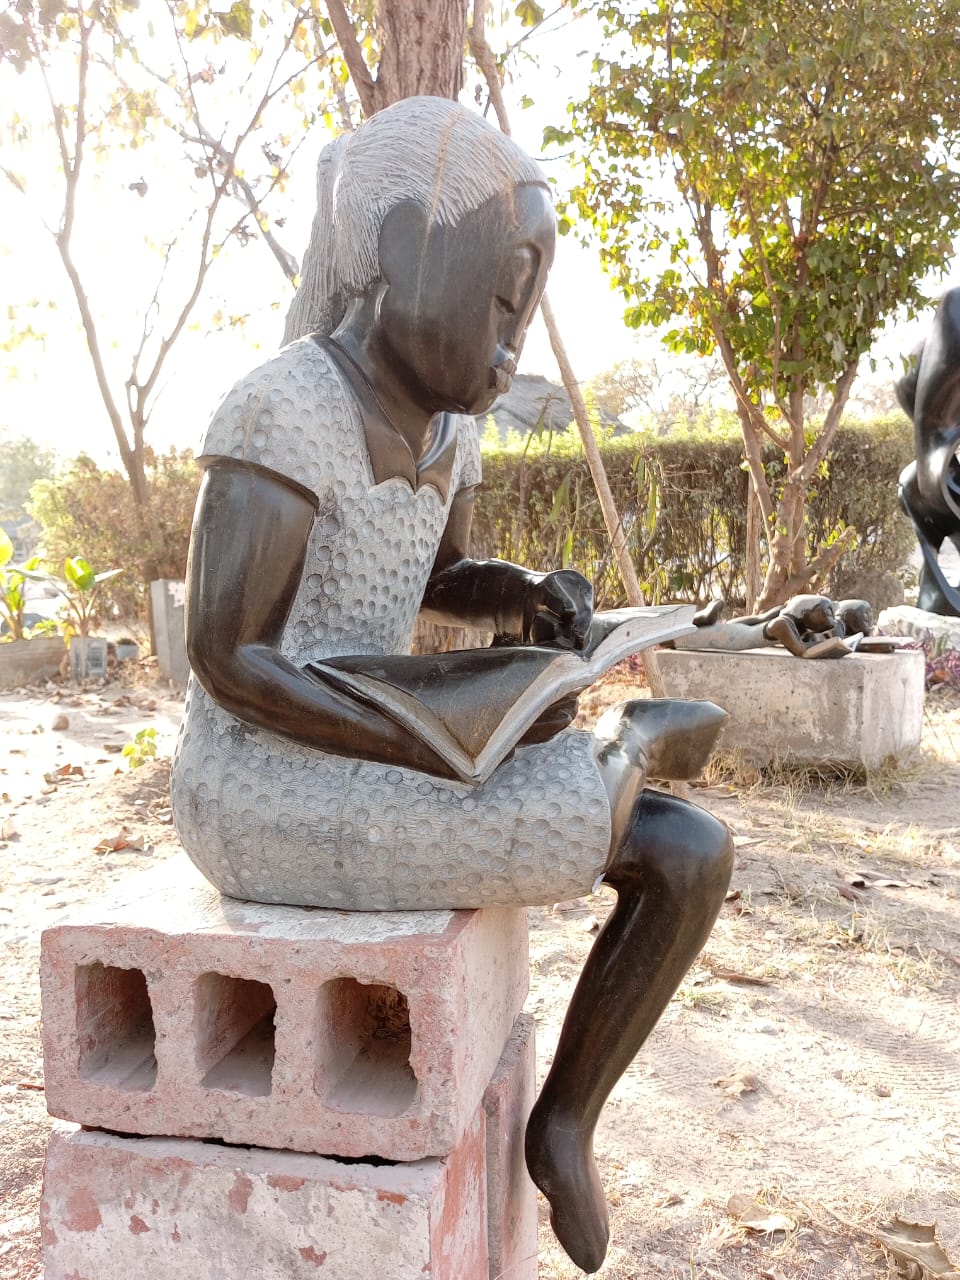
x,y
176,1209
26,661
854,711
176,1011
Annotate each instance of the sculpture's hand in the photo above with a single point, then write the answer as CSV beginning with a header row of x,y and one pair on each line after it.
x,y
552,721
558,610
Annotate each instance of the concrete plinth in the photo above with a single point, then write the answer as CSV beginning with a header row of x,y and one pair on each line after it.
x,y
177,1012
854,711
177,1209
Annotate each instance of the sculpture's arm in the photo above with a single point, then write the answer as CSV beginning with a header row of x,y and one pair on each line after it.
x,y
247,552
784,630
518,605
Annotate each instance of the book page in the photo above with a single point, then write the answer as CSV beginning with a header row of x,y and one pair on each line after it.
x,y
473,706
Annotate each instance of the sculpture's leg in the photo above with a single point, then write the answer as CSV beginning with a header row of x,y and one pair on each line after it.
x,y
671,874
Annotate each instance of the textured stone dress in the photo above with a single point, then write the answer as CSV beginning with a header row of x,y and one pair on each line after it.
x,y
267,819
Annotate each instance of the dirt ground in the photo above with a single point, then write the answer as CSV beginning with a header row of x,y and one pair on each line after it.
x,y
801,1089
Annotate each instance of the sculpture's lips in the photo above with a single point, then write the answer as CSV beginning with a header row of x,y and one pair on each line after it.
x,y
501,376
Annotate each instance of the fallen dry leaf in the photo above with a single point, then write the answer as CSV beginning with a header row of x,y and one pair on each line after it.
x,y
914,1248
755,1217
731,975
742,1081
667,1200
64,771
124,839
846,893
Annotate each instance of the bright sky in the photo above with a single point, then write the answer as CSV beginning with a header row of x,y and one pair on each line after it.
x,y
54,396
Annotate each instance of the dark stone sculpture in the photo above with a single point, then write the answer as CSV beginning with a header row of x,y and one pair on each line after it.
x,y
930,486
801,626
336,502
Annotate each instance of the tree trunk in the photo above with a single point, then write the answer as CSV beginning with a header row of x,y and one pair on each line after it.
x,y
752,575
423,43
421,50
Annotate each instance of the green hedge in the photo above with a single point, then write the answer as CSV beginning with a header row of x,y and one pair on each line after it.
x,y
682,498
683,501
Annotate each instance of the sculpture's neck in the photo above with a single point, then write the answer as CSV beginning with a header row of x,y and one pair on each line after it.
x,y
406,408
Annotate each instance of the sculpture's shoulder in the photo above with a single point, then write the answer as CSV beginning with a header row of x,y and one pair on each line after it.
x,y
286,414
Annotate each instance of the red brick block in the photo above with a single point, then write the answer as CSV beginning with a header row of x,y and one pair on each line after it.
x,y
177,1012
511,1195
178,1209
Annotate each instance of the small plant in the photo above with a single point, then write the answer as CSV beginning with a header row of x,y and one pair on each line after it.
x,y
80,587
142,748
13,578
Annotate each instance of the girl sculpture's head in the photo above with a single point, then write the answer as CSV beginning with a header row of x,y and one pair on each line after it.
x,y
433,207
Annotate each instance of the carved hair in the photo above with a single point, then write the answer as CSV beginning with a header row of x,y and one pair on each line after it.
x,y
431,150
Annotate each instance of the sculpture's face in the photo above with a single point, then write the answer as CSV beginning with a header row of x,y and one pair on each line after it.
x,y
458,300
812,613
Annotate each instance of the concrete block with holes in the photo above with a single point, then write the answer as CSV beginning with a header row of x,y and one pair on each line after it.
x,y
179,1209
174,1011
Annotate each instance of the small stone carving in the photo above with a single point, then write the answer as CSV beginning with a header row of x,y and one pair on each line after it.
x,y
930,486
805,626
336,503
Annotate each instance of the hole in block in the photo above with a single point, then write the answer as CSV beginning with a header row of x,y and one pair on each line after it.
x,y
115,1029
234,1029
364,1036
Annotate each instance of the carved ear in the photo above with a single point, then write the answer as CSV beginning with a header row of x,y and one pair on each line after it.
x,y
403,239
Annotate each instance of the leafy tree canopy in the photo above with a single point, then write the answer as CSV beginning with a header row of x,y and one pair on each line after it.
x,y
813,149
773,182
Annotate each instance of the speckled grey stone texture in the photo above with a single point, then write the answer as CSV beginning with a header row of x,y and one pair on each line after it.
x,y
267,819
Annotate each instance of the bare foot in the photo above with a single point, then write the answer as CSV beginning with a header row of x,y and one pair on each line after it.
x,y
560,1161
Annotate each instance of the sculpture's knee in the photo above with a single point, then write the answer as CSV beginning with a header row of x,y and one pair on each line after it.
x,y
672,842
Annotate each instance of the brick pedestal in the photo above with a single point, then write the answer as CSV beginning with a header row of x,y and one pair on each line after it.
x,y
177,1014
177,1209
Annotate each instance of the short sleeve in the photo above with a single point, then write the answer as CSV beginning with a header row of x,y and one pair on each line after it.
x,y
285,416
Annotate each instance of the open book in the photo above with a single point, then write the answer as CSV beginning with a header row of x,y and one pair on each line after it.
x,y
835,647
472,706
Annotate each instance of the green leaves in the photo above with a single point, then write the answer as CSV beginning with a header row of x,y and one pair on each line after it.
x,y
529,12
773,183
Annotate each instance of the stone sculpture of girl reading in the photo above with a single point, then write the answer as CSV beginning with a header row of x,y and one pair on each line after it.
x,y
336,504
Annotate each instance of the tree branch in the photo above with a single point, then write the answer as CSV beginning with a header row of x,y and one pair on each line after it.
x,y
483,57
353,56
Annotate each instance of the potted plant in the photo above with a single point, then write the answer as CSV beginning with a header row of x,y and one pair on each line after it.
x,y
26,652
80,587
127,649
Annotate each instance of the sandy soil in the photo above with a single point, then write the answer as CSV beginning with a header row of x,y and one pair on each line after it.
x,y
809,1064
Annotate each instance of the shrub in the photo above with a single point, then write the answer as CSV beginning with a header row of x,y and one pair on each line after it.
x,y
683,501
89,510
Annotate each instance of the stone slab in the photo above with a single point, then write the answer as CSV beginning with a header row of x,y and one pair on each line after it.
x,y
930,628
26,661
172,1011
854,711
167,602
511,1195
178,1209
